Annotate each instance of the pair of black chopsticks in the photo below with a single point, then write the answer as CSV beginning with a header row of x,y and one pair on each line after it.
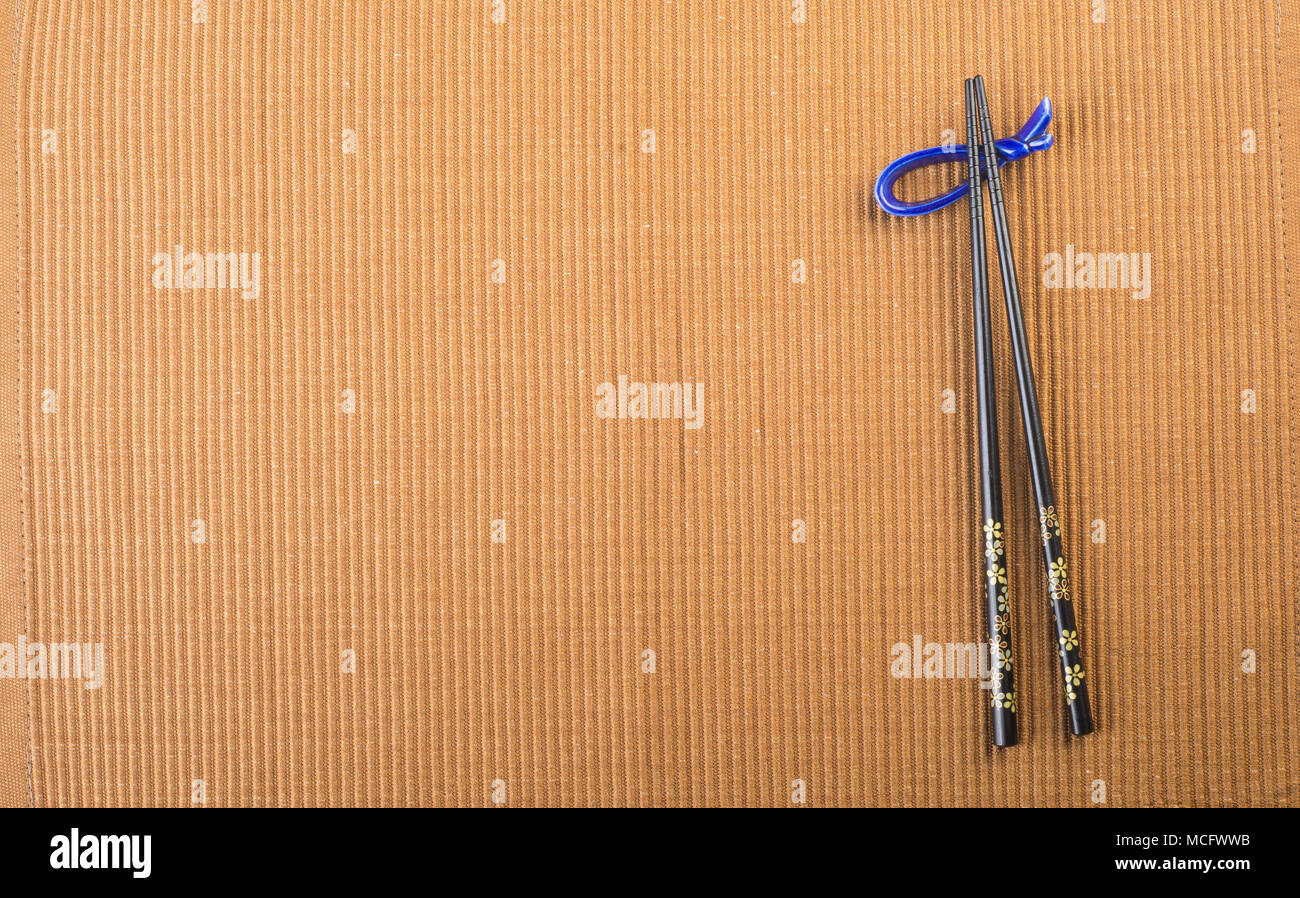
x,y
980,149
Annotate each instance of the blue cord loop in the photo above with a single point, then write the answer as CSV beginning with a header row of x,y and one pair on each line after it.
x,y
1030,138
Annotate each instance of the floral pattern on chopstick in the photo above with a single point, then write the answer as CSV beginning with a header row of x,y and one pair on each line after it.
x,y
993,539
1048,523
1073,677
1000,625
1058,581
993,551
1000,653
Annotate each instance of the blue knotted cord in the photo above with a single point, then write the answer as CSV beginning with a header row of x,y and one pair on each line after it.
x,y
1030,138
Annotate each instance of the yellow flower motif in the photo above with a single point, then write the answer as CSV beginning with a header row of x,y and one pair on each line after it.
x,y
1048,521
1070,639
1058,580
1005,700
998,573
992,539
999,656
1074,675
1069,694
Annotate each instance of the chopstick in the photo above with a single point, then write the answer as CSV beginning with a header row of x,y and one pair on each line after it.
x,y
1003,698
1067,635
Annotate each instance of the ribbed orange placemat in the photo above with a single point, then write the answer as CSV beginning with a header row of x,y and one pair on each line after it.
x,y
357,531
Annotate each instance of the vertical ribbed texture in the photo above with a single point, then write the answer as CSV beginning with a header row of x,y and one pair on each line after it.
x,y
370,531
15,786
